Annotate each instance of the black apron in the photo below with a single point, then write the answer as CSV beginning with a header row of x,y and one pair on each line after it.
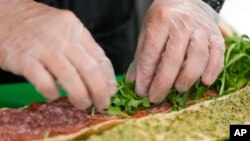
x,y
113,24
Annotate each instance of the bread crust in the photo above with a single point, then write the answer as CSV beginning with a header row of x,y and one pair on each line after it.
x,y
106,125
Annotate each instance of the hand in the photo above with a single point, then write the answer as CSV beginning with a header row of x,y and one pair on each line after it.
x,y
179,43
47,46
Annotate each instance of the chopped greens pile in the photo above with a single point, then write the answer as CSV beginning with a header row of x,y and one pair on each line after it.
x,y
236,72
126,100
235,75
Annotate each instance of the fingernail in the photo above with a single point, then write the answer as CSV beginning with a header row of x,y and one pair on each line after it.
x,y
140,89
112,87
55,94
209,78
152,99
130,76
182,86
82,104
51,95
155,96
103,104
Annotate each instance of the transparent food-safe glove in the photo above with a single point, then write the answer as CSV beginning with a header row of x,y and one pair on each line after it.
x,y
49,46
179,42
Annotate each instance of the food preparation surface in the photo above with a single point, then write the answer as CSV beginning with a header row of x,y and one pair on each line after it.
x,y
21,94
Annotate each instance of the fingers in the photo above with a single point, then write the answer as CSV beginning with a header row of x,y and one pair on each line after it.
x,y
104,64
195,63
216,59
67,76
40,77
90,72
149,57
82,69
131,73
169,67
107,71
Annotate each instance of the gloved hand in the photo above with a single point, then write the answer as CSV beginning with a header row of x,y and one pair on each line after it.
x,y
179,43
49,47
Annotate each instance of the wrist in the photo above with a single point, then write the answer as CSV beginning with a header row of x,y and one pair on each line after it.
x,y
215,4
203,6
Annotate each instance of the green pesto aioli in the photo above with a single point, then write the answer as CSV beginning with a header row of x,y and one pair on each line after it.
x,y
210,122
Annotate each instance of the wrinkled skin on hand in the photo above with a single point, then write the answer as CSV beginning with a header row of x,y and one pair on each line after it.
x,y
50,47
179,43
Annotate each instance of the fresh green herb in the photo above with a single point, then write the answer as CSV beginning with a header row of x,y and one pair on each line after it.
x,y
117,111
236,71
235,75
92,111
126,100
178,100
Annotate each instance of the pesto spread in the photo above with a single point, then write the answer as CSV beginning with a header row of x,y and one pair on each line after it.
x,y
205,123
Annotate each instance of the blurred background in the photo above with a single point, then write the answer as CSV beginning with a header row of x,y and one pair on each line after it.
x,y
236,13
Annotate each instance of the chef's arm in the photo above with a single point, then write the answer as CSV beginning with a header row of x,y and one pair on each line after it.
x,y
50,48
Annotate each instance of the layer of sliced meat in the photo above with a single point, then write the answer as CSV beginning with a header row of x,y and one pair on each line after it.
x,y
33,122
59,118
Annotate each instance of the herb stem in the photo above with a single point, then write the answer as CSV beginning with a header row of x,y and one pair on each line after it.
x,y
223,83
233,60
93,111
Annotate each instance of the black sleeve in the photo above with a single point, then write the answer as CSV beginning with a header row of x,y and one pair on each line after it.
x,y
215,4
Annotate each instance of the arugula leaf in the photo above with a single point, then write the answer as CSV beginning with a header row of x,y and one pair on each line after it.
x,y
117,111
178,100
236,71
126,100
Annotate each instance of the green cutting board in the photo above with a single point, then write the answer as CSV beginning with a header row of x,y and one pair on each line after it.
x,y
21,94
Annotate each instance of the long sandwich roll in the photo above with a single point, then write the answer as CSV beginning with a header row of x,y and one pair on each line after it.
x,y
60,121
207,120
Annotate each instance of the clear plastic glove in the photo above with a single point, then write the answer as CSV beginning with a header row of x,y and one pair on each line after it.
x,y
49,47
179,43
